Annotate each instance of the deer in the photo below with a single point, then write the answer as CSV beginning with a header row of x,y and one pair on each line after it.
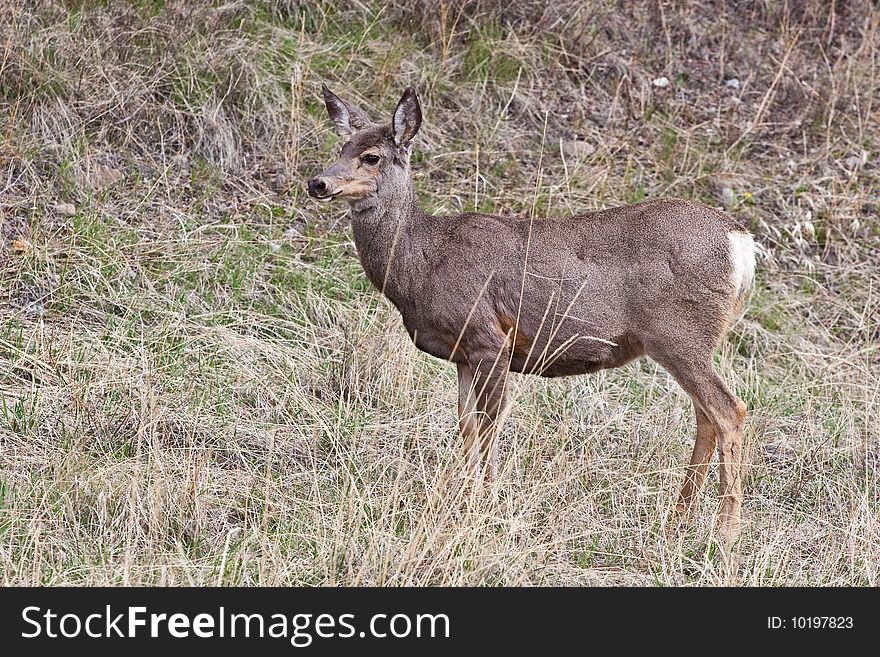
x,y
555,296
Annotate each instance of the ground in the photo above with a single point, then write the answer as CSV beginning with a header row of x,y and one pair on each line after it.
x,y
199,386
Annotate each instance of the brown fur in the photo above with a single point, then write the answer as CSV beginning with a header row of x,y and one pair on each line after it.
x,y
508,328
554,297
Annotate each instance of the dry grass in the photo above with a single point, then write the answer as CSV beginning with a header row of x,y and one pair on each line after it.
x,y
198,386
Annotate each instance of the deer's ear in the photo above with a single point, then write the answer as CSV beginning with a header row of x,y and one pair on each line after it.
x,y
407,117
346,117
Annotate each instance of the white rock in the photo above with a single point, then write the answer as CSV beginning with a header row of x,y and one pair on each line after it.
x,y
661,83
727,196
292,232
733,83
65,209
853,162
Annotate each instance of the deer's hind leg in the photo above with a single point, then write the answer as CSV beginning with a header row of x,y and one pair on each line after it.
x,y
482,405
726,413
704,447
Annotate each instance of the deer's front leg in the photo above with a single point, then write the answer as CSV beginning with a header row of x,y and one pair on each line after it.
x,y
482,404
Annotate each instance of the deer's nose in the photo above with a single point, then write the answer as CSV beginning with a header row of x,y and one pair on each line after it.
x,y
317,187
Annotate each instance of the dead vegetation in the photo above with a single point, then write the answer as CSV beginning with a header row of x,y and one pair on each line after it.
x,y
198,386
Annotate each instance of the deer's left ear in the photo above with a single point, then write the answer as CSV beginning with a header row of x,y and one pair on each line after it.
x,y
407,117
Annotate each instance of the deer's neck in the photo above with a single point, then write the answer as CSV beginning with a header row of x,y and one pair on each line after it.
x,y
383,235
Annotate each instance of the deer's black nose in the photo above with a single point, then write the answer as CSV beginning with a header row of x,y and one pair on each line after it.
x,y
317,187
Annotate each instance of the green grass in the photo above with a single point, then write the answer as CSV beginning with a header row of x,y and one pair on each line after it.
x,y
485,57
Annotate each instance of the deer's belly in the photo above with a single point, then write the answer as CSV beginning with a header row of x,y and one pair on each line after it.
x,y
570,358
437,344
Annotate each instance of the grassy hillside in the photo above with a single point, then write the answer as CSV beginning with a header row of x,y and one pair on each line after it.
x,y
198,385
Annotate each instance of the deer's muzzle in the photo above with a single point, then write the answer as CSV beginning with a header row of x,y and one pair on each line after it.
x,y
320,189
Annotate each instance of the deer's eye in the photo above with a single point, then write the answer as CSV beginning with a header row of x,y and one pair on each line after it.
x,y
371,158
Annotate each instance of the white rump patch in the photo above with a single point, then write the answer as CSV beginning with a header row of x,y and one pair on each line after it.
x,y
742,261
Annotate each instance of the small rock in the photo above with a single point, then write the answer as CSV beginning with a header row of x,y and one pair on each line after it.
x,y
661,83
578,148
733,83
274,247
727,196
65,209
102,176
292,232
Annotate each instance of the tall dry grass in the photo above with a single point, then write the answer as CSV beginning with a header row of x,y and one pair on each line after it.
x,y
198,386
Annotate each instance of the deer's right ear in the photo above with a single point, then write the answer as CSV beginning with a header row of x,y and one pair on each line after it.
x,y
346,117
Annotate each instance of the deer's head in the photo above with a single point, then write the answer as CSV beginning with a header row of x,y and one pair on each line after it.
x,y
374,161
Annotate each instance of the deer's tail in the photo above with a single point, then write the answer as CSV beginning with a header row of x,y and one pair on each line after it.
x,y
742,268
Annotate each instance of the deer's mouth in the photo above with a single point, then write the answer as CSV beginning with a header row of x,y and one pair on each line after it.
x,y
326,198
